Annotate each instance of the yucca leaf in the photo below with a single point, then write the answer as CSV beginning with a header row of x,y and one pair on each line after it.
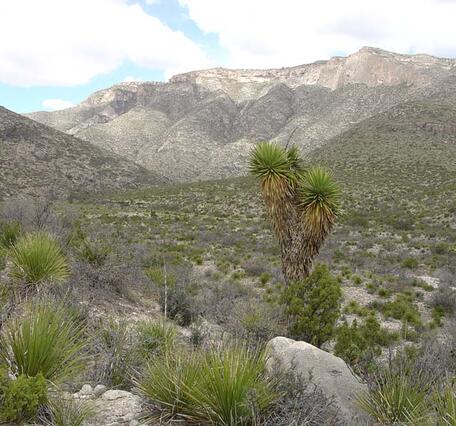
x,y
270,163
318,196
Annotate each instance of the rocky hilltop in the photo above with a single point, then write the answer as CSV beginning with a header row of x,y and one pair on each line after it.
x,y
202,124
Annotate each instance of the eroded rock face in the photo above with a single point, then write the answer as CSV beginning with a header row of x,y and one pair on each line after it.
x,y
327,371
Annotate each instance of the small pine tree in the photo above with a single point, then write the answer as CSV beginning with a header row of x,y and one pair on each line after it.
x,y
313,306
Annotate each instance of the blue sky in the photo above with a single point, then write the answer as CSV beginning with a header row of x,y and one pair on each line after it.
x,y
60,51
175,16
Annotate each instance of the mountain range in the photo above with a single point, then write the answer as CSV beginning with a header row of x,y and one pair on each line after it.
x,y
201,125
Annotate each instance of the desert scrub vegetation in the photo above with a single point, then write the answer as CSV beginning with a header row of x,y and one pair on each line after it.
x,y
226,386
224,277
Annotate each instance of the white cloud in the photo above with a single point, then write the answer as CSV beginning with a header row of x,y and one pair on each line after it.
x,y
130,78
275,33
68,42
55,104
151,2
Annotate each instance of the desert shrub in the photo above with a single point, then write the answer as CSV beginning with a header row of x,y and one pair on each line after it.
x,y
37,257
401,308
46,340
265,277
21,398
431,364
445,407
221,386
445,299
175,290
313,306
114,348
301,403
91,251
9,233
2,259
360,344
113,278
394,399
410,263
256,322
437,314
66,412
156,337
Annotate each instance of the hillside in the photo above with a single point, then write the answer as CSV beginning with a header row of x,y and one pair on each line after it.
x,y
36,158
201,125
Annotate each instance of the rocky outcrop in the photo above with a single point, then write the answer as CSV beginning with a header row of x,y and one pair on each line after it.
x,y
328,372
111,407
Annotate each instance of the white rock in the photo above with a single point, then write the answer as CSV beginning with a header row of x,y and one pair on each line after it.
x,y
86,390
116,408
328,372
99,390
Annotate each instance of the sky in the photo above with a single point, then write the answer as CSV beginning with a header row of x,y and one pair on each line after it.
x,y
55,53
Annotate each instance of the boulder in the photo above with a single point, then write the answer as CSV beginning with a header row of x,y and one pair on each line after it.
x,y
330,373
116,408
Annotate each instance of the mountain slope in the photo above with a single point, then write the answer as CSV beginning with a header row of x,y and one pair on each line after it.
x,y
202,125
36,158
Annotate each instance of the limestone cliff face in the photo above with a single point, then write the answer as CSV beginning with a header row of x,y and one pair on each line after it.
x,y
369,66
202,124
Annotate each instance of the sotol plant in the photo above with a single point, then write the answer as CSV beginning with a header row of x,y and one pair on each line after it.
x,y
302,204
37,257
46,340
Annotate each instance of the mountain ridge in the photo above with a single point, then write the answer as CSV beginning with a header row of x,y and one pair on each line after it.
x,y
35,158
201,125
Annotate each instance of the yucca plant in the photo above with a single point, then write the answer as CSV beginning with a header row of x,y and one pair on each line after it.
x,y
37,257
396,400
46,340
445,405
302,204
223,386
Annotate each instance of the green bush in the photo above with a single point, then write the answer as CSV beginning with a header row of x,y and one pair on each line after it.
x,y
37,257
21,398
395,399
9,233
221,386
410,263
156,337
401,308
46,340
359,344
313,306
